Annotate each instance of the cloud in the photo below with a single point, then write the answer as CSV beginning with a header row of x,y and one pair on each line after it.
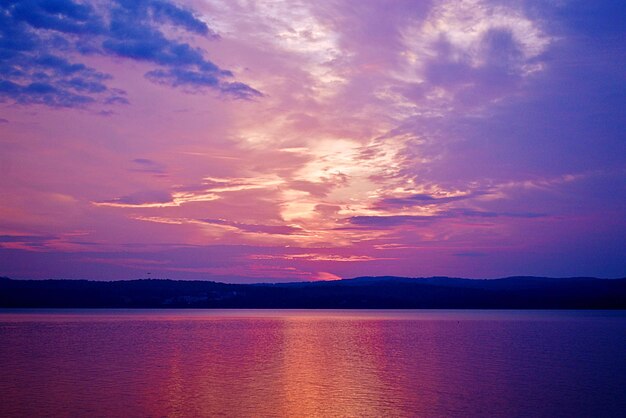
x,y
423,199
317,257
26,238
228,184
211,189
325,276
38,37
317,189
470,254
473,213
61,15
389,220
163,10
179,77
3,120
145,165
27,242
146,198
379,129
255,228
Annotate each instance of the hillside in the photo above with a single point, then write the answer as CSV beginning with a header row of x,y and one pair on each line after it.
x,y
362,292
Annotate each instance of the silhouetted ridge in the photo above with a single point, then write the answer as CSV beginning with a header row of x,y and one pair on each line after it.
x,y
362,292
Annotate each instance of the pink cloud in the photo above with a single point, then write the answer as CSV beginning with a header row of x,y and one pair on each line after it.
x,y
390,139
325,276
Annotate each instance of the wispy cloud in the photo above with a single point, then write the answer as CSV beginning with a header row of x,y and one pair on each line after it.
x,y
255,228
318,257
423,199
27,242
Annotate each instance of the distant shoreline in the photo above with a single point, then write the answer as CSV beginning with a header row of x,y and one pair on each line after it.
x,y
359,293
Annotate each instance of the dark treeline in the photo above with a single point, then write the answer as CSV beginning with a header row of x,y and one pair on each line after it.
x,y
362,292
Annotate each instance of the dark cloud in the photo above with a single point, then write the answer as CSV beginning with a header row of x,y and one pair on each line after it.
x,y
421,199
37,37
390,220
143,161
164,10
472,213
142,198
528,215
180,77
28,239
3,120
145,165
386,221
28,242
64,16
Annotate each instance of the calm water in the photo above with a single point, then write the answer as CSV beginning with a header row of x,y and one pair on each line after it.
x,y
312,363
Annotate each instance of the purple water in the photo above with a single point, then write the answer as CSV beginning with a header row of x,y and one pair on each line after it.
x,y
114,363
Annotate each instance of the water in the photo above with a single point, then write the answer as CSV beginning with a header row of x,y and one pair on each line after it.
x,y
116,363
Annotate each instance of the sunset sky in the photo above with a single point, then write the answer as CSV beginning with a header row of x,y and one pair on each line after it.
x,y
247,141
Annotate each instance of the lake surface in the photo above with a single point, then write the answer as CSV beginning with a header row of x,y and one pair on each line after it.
x,y
154,363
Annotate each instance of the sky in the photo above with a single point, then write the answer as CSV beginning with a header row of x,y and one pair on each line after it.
x,y
251,141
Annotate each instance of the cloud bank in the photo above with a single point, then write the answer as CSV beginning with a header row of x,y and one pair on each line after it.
x,y
42,41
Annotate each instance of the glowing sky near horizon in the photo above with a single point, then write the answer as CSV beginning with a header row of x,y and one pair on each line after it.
x,y
281,140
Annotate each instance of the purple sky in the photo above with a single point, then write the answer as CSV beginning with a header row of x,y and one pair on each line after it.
x,y
285,140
